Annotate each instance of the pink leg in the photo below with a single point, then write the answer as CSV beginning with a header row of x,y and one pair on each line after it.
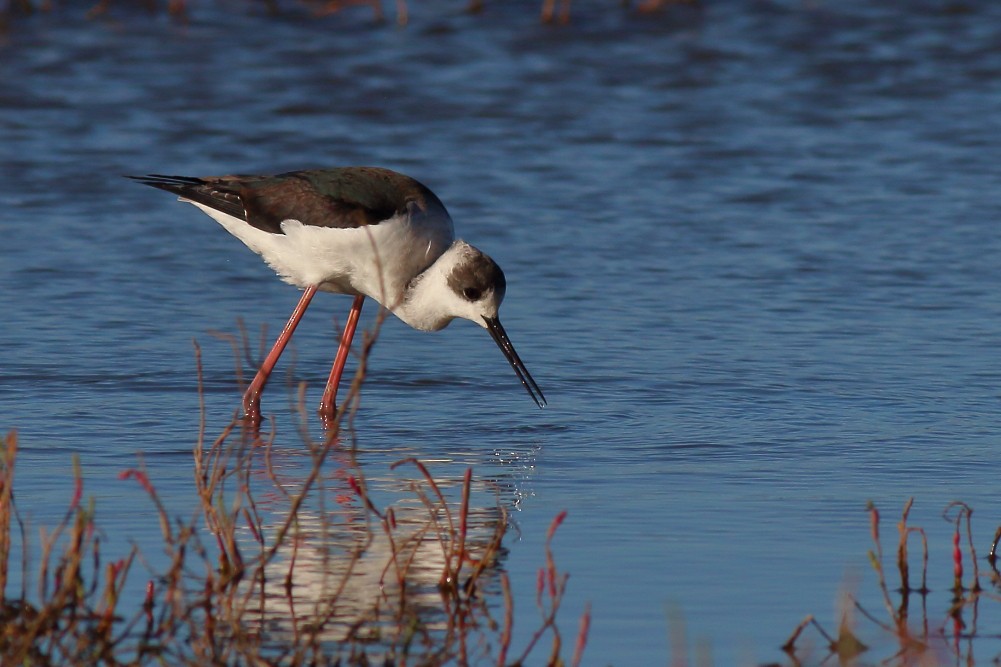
x,y
252,397
328,405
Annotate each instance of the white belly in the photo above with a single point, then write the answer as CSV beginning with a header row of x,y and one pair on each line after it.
x,y
374,260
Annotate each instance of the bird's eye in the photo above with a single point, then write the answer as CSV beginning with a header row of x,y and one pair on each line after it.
x,y
471,293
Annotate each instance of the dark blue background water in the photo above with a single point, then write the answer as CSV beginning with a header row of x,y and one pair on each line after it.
x,y
752,258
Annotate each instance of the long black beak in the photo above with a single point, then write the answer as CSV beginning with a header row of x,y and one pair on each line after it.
x,y
504,343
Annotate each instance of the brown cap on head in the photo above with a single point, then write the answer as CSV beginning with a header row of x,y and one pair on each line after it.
x,y
476,275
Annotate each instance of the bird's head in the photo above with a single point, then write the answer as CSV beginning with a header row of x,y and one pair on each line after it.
x,y
475,282
476,286
470,285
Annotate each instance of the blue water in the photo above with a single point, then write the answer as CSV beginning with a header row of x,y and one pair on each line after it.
x,y
752,259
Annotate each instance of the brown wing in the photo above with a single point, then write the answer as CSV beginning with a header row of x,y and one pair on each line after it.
x,y
343,198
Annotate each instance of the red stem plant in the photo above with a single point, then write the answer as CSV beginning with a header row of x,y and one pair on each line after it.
x,y
921,643
273,578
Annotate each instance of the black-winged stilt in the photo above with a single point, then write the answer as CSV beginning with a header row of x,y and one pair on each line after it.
x,y
364,231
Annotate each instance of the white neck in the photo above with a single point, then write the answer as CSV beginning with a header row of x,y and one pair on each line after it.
x,y
426,300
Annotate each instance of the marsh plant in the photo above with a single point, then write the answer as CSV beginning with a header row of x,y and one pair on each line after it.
x,y
915,636
289,559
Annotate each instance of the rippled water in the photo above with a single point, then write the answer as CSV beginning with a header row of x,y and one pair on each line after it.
x,y
752,258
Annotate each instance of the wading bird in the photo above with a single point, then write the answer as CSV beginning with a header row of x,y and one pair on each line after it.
x,y
364,231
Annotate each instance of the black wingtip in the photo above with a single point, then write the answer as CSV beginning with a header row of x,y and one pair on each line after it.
x,y
175,184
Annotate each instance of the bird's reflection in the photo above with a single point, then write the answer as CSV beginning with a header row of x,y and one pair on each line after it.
x,y
379,563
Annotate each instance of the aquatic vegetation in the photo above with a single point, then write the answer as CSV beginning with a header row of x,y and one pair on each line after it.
x,y
908,635
292,557
915,637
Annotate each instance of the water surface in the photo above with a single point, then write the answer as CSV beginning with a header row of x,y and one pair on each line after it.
x,y
751,252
